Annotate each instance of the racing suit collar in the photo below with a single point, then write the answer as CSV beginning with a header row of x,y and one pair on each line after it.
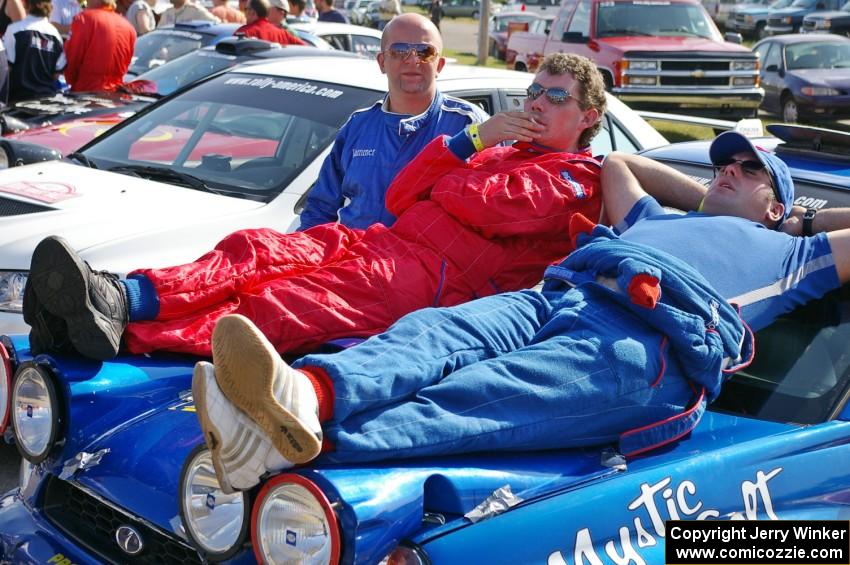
x,y
411,124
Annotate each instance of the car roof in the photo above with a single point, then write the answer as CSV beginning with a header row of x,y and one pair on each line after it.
x,y
363,73
327,28
201,26
806,38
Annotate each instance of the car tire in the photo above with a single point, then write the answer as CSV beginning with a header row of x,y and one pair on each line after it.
x,y
494,50
476,15
761,33
521,67
790,112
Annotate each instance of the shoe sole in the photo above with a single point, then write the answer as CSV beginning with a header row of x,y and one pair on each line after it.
x,y
245,366
212,437
61,282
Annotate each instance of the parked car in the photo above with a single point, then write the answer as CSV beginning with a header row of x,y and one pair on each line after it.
x,y
357,12
751,19
501,22
164,44
653,55
364,41
806,76
720,10
257,160
66,122
114,452
462,9
50,117
790,19
837,21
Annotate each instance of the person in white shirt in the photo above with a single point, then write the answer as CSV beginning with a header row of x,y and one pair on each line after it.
x,y
141,17
63,13
185,11
35,53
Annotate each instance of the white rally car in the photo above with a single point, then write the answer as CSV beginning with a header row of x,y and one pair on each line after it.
x,y
240,149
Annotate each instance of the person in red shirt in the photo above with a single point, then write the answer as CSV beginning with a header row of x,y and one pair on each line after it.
x,y
99,48
259,26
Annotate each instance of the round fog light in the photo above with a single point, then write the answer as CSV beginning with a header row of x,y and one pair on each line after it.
x,y
293,522
34,413
216,522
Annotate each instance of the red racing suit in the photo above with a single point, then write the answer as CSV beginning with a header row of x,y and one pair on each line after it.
x,y
464,230
98,50
264,29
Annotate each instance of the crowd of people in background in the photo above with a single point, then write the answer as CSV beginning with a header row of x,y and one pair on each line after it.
x,y
91,42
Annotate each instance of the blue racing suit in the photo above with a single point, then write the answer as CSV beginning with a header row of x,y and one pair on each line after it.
x,y
369,151
539,370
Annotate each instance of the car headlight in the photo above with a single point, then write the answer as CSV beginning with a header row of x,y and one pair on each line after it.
x,y
643,65
819,91
748,19
35,412
12,288
5,388
786,20
293,522
824,24
744,65
216,522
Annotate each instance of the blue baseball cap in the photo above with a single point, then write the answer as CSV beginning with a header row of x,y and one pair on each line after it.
x,y
728,143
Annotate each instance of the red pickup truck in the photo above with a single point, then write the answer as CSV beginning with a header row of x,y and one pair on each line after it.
x,y
654,55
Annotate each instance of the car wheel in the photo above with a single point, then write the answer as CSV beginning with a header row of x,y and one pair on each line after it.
x,y
521,67
475,15
606,78
789,109
494,50
761,33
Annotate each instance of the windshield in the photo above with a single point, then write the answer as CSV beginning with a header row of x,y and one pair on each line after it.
x,y
803,3
846,7
239,134
184,70
801,370
160,46
650,19
821,55
780,4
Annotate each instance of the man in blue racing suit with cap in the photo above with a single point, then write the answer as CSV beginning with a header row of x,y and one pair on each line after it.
x,y
628,341
377,142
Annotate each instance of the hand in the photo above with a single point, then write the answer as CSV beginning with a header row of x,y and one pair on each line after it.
x,y
506,126
793,225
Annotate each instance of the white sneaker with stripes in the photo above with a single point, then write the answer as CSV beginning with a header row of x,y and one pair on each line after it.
x,y
241,451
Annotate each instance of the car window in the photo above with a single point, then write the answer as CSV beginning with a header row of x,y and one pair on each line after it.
x,y
365,45
622,138
817,55
158,47
774,56
581,19
243,135
338,41
652,19
185,70
801,371
560,24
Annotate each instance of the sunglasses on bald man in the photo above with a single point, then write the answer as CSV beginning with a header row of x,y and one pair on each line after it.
x,y
425,52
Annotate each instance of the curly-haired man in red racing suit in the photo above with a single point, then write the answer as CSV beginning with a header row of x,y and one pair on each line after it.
x,y
466,228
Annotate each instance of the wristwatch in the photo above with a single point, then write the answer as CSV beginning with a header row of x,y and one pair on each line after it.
x,y
808,220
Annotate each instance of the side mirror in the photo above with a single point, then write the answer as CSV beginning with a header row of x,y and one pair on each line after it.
x,y
733,37
574,37
16,153
772,69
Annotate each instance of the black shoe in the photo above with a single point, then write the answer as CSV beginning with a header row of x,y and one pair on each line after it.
x,y
48,333
93,304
